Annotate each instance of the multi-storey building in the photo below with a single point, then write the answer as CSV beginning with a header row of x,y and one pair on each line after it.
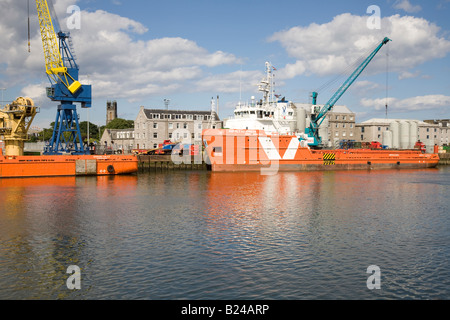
x,y
153,126
339,124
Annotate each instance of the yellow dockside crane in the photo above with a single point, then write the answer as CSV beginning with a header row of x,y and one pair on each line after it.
x,y
15,121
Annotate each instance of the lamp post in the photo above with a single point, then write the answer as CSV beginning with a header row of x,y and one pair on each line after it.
x,y
166,102
3,90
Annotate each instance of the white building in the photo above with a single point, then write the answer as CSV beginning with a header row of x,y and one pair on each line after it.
x,y
403,133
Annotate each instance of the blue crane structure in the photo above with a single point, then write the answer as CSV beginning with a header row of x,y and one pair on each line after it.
x,y
62,71
318,114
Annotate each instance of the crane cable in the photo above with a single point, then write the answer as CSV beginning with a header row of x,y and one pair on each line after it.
x,y
29,44
348,70
387,80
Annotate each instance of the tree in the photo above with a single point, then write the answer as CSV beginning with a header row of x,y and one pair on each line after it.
x,y
120,123
93,130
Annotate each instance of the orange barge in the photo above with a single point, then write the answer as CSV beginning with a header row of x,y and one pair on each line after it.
x,y
254,150
66,165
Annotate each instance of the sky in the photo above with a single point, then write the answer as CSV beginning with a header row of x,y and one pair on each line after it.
x,y
140,53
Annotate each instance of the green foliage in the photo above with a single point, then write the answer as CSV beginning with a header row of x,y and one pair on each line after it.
x,y
120,123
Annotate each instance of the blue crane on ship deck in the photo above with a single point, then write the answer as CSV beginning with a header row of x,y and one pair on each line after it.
x,y
318,114
62,71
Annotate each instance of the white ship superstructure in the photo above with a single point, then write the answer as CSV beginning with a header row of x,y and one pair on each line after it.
x,y
271,114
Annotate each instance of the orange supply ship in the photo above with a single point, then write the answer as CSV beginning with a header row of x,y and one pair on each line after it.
x,y
15,121
66,165
254,150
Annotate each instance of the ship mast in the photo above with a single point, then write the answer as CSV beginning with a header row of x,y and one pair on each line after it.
x,y
266,86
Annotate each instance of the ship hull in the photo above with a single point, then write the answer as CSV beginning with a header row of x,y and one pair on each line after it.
x,y
66,165
253,150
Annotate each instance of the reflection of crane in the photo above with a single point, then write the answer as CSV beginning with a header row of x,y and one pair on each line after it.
x,y
62,72
318,115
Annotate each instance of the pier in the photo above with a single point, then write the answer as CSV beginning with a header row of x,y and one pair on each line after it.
x,y
152,163
444,158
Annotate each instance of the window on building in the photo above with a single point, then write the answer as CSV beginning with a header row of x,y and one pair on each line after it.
x,y
185,125
344,117
362,129
379,128
155,145
199,126
337,117
155,125
337,125
343,125
170,125
155,135
170,135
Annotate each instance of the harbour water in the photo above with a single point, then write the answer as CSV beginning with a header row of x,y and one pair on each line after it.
x,y
213,236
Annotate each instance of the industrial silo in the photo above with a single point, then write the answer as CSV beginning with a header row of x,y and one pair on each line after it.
x,y
413,133
323,132
301,119
395,129
387,138
404,134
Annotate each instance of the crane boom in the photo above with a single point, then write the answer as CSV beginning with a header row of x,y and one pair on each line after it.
x,y
53,61
318,117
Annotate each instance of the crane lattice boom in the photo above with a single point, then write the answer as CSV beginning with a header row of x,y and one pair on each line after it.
x,y
54,65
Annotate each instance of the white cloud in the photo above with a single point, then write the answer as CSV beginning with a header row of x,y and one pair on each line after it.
x,y
108,53
418,103
408,75
328,48
407,6
228,83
